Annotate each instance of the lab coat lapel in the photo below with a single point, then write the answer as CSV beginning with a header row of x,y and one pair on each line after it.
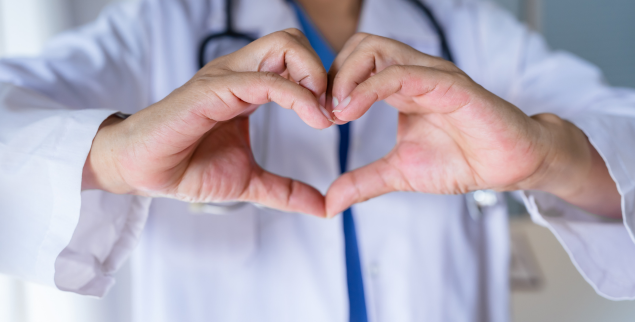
x,y
402,21
399,20
396,19
262,17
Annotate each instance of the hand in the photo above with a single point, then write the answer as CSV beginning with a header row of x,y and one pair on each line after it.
x,y
194,144
453,135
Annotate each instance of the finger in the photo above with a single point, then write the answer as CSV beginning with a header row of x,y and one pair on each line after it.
x,y
375,179
372,55
303,63
431,89
352,66
223,98
287,53
348,48
350,45
285,194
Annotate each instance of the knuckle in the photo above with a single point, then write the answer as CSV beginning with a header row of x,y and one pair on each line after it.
x,y
357,39
368,41
447,76
219,62
460,76
288,39
374,41
287,34
548,117
280,37
359,36
204,85
451,66
201,83
204,92
396,69
370,38
269,77
291,190
294,32
445,65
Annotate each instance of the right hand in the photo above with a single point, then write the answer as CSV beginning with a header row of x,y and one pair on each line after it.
x,y
194,144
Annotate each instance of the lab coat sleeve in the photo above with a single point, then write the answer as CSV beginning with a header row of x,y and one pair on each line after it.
x,y
523,70
50,110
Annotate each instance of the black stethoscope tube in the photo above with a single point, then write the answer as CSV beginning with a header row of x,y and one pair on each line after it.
x,y
228,33
445,48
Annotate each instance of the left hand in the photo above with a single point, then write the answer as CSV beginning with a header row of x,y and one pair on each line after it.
x,y
453,136
194,145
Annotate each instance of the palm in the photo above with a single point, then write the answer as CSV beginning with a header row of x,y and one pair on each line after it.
x,y
221,167
443,149
170,164
445,154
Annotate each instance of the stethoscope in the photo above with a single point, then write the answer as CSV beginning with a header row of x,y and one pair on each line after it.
x,y
476,200
231,33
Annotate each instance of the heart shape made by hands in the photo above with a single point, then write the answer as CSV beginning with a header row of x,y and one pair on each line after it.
x,y
453,135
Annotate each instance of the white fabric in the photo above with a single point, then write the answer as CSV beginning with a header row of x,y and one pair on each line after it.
x,y
43,147
423,257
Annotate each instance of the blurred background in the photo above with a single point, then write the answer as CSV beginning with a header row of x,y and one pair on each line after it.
x,y
546,286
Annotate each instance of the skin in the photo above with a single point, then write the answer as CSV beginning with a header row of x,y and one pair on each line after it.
x,y
454,136
337,20
194,144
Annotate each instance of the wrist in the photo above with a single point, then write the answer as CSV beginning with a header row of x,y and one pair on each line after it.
x,y
574,171
567,159
100,169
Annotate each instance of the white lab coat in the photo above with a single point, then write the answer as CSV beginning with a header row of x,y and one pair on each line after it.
x,y
423,257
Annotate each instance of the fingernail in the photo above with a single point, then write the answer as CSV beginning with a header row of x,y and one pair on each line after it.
x,y
341,106
335,103
322,100
326,114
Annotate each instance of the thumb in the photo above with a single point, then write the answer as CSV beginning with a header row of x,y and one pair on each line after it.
x,y
285,194
373,180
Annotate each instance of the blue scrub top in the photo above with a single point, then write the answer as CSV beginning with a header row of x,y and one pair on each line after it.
x,y
356,298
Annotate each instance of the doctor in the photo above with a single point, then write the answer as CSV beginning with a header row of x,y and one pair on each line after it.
x,y
84,189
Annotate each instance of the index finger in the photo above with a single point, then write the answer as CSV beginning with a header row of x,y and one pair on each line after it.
x,y
371,55
287,53
348,48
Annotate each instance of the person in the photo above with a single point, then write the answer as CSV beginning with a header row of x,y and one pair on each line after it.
x,y
83,188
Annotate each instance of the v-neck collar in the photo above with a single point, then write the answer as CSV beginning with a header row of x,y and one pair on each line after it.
x,y
396,19
315,37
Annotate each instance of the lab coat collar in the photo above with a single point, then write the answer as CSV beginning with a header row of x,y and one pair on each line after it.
x,y
262,17
400,20
396,19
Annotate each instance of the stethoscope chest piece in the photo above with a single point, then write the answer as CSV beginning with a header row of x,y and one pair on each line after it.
x,y
479,200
